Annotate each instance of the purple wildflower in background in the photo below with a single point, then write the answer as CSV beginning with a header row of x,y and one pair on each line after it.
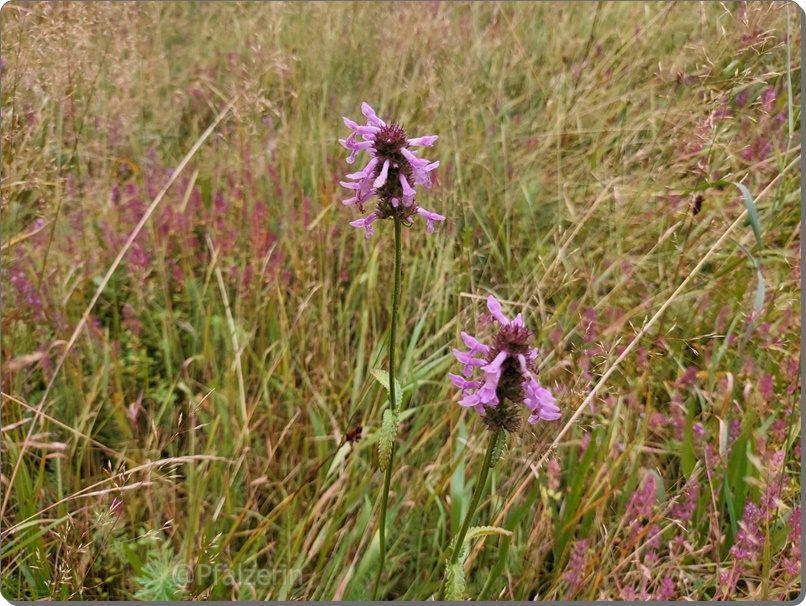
x,y
666,590
791,563
684,508
391,174
750,536
575,570
642,500
509,368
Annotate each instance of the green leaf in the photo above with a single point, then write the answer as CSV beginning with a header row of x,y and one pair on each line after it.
x,y
751,211
13,547
383,378
474,533
500,441
736,480
660,486
454,573
758,300
766,564
565,527
688,456
454,582
339,458
460,496
386,441
486,531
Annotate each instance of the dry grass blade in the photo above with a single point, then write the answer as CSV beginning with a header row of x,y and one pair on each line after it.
x,y
23,237
123,475
72,430
233,333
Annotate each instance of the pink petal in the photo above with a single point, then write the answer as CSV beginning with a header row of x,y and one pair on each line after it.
x,y
495,308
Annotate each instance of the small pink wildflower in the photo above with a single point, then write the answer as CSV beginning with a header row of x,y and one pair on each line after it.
x,y
575,571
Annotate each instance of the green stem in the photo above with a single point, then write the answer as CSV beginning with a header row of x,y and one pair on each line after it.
x,y
474,503
392,399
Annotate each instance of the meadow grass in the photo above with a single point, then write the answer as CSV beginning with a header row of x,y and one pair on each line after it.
x,y
200,416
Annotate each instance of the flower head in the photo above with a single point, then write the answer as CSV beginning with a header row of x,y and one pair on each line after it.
x,y
508,379
391,174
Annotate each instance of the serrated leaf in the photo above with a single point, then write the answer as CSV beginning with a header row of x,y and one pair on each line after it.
x,y
476,532
500,441
485,531
454,572
387,437
383,378
454,582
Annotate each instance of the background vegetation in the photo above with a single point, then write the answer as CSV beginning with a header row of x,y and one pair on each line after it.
x,y
585,150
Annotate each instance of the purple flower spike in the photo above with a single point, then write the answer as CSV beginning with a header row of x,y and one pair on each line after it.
x,y
509,375
392,173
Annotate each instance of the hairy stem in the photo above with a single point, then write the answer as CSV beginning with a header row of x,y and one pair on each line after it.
x,y
392,399
474,503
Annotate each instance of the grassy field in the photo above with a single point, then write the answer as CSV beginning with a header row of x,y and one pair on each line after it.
x,y
589,154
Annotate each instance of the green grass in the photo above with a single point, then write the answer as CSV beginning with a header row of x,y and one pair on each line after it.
x,y
198,417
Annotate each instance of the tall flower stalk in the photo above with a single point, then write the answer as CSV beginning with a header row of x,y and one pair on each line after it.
x,y
390,176
478,489
508,380
387,478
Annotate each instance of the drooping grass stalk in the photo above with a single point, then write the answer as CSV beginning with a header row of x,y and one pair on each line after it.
x,y
392,395
478,489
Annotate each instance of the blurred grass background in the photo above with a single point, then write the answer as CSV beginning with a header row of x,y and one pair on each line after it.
x,y
229,354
